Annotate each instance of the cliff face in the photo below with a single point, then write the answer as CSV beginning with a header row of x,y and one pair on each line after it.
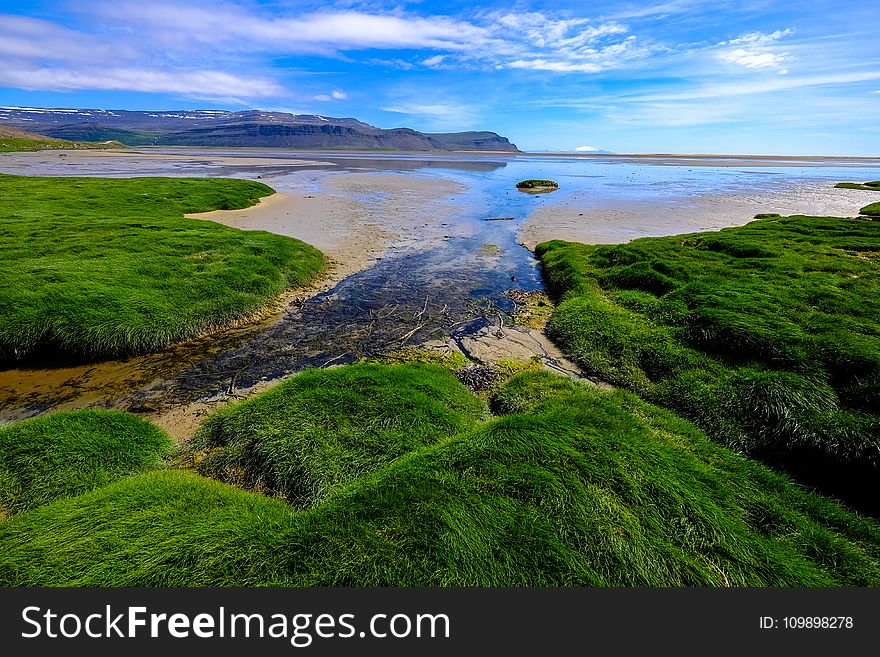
x,y
251,128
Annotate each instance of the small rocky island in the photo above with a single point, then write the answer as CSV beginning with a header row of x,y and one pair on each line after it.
x,y
537,186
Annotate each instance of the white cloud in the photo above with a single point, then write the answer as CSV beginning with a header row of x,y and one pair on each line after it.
x,y
555,66
526,40
756,50
229,25
334,95
543,32
40,55
436,60
751,59
584,59
576,45
213,49
213,84
30,38
758,38
586,149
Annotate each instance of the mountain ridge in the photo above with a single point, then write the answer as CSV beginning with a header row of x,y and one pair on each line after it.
x,y
236,129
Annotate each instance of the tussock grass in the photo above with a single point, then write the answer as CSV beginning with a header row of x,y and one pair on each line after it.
x,y
67,454
872,210
453,360
873,185
93,267
572,486
767,336
322,429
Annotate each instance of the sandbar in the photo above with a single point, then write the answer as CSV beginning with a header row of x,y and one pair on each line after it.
x,y
581,218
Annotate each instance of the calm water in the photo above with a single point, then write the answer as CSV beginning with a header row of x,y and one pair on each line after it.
x,y
412,294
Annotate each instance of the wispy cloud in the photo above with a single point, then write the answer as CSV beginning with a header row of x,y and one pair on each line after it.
x,y
22,37
642,10
334,95
433,62
440,115
586,60
535,42
40,55
229,25
760,86
492,40
199,83
756,50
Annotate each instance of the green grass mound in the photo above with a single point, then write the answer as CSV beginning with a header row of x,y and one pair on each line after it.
x,y
321,429
573,487
93,267
10,145
66,454
872,210
870,186
767,336
164,528
536,184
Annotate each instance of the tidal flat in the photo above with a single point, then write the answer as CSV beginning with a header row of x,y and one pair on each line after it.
x,y
404,419
406,239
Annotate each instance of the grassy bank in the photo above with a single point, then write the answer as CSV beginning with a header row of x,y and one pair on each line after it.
x,y
872,210
318,431
568,486
93,267
767,336
873,185
9,145
67,454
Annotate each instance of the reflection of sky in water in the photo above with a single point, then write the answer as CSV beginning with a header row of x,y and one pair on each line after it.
x,y
491,178
622,181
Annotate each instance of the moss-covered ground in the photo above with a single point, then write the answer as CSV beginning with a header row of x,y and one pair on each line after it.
x,y
566,485
767,336
96,267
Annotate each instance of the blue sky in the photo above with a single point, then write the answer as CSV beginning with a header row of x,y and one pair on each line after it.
x,y
754,76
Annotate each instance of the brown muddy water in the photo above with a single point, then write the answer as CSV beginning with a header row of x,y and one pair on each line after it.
x,y
447,288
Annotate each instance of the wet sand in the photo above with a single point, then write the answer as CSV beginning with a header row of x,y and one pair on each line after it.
x,y
354,218
131,163
582,218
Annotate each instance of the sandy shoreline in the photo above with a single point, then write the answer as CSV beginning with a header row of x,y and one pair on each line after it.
x,y
354,218
581,219
128,164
